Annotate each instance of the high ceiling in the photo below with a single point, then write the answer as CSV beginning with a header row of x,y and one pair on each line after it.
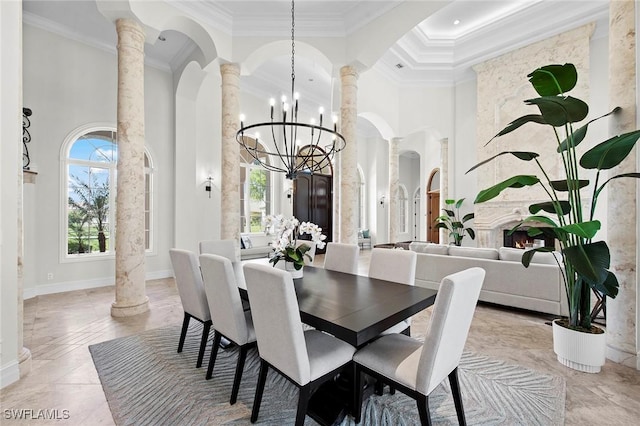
x,y
438,51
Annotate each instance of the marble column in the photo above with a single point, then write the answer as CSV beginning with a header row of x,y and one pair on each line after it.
x,y
444,181
394,184
349,156
622,346
230,181
130,233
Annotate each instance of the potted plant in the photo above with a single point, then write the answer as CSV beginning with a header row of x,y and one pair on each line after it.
x,y
285,243
584,262
451,222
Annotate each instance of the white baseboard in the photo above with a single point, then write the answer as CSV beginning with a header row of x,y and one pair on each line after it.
x,y
62,287
9,373
623,357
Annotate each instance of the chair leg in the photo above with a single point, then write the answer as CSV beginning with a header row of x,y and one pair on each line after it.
x,y
238,377
357,393
457,396
214,353
423,410
183,333
379,387
262,378
206,326
303,403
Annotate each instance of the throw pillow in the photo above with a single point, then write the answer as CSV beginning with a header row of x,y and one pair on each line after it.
x,y
247,242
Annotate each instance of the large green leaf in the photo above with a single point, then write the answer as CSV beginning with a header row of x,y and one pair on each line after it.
x,y
591,261
449,213
565,184
623,175
611,152
471,233
513,182
459,203
583,229
542,219
550,207
518,122
522,155
552,80
449,202
578,135
467,217
609,286
558,110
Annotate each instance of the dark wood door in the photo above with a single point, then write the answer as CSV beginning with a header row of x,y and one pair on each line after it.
x,y
313,201
433,211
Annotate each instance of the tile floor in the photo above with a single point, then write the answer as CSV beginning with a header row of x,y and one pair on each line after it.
x,y
58,329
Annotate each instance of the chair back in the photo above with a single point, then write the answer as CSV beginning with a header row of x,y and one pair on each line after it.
x,y
225,305
225,248
393,265
311,253
452,314
342,258
189,283
276,319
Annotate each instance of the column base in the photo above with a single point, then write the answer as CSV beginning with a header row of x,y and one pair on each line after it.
x,y
24,362
129,310
623,357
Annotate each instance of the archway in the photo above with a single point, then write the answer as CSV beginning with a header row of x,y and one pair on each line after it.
x,y
433,205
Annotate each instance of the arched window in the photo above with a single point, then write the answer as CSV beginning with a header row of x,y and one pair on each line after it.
x,y
90,165
403,209
255,190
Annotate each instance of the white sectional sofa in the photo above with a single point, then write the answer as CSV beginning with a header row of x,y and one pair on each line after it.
x,y
538,287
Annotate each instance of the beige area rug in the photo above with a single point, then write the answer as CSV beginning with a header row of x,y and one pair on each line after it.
x,y
146,382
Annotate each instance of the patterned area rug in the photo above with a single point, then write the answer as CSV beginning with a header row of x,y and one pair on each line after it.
x,y
146,382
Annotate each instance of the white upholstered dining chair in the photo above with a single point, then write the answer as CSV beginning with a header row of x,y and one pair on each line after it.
x,y
229,318
224,248
397,266
192,295
306,358
417,368
342,258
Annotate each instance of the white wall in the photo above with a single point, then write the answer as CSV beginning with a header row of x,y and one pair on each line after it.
x,y
10,153
68,84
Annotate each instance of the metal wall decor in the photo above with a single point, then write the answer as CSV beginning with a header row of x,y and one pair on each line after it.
x,y
26,138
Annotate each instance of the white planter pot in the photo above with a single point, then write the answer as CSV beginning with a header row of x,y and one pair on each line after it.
x,y
580,351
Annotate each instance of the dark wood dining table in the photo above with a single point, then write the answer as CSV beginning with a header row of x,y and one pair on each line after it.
x,y
355,308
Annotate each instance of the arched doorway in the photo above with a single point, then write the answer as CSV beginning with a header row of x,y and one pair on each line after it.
x,y
433,205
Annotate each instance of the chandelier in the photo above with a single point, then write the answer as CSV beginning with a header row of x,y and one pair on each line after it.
x,y
286,153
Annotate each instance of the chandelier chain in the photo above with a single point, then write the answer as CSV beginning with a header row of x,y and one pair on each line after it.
x,y
293,49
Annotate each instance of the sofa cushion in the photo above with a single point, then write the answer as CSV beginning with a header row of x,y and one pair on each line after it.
x,y
547,258
480,253
430,248
510,254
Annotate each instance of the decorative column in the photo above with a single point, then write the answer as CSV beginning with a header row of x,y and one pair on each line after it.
x,y
444,181
130,233
394,182
230,181
622,345
349,156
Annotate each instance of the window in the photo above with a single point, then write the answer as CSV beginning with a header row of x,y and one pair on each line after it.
x,y
255,192
403,209
90,198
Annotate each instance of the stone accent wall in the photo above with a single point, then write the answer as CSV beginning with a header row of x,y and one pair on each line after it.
x,y
502,87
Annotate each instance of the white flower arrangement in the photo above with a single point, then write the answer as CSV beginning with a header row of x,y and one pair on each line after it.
x,y
286,232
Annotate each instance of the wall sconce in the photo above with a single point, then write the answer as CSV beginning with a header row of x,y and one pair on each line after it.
x,y
207,186
289,193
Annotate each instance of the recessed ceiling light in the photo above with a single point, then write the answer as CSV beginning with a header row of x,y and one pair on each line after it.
x,y
456,22
162,38
399,65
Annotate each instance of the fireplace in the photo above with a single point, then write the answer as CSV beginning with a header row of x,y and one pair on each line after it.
x,y
520,239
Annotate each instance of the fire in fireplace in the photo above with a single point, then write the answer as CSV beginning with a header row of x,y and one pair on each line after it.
x,y
520,239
